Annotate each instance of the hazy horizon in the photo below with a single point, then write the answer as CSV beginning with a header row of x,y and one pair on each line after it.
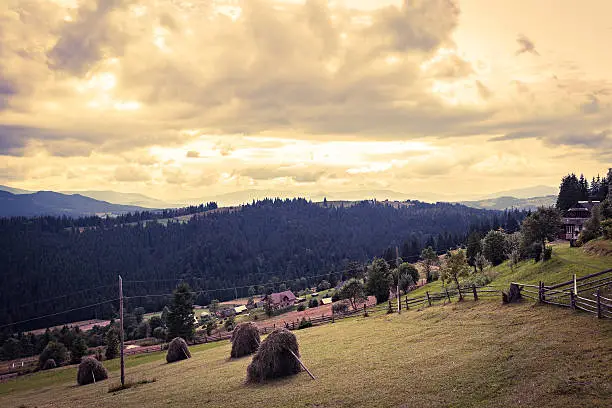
x,y
186,100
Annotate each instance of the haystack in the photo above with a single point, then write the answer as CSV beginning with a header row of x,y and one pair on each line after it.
x,y
274,358
49,364
177,350
91,370
245,340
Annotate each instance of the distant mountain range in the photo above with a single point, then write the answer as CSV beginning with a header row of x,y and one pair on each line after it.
x,y
78,203
502,203
51,203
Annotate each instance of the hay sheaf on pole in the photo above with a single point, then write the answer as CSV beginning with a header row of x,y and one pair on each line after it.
x,y
177,350
276,357
91,371
245,340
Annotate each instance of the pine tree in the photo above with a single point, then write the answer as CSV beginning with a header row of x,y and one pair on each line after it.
x,y
78,348
180,318
112,344
570,193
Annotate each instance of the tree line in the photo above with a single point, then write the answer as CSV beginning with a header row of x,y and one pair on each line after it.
x,y
268,243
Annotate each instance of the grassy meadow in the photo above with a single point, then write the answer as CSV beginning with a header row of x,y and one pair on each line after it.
x,y
458,355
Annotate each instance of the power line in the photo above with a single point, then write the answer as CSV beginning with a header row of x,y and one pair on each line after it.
x,y
58,313
58,297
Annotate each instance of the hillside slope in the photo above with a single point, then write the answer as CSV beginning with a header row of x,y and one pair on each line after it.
x,y
51,203
564,264
460,355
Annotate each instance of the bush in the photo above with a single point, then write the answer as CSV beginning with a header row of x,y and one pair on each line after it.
x,y
336,296
78,348
313,303
547,255
274,358
160,333
177,350
304,324
245,340
323,285
155,322
49,364
112,344
606,226
340,307
56,351
230,323
91,370
301,307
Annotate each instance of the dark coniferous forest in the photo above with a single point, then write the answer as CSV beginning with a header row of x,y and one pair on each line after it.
x,y
49,265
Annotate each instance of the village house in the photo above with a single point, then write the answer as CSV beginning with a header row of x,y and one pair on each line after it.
x,y
281,300
575,217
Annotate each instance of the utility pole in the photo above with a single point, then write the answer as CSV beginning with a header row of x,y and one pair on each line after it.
x,y
121,331
399,302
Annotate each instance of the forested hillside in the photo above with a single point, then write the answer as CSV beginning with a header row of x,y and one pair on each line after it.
x,y
271,242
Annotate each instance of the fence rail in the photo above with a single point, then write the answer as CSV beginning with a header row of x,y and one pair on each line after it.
x,y
583,293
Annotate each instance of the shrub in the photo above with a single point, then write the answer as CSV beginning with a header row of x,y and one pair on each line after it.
x,y
336,296
155,322
313,303
56,351
301,307
112,344
49,364
78,348
245,340
547,255
304,324
160,333
274,358
340,307
606,226
91,370
230,323
177,350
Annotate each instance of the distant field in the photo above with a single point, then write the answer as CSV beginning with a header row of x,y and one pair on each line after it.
x,y
459,355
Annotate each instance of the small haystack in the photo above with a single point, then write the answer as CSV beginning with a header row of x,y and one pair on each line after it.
x,y
274,358
177,350
49,364
245,340
91,371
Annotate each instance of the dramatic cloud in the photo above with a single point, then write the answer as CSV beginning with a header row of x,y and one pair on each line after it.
x,y
168,96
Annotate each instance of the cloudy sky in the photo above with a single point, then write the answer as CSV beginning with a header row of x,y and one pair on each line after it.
x,y
179,99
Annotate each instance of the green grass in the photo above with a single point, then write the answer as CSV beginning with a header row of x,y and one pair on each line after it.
x,y
460,355
564,264
43,379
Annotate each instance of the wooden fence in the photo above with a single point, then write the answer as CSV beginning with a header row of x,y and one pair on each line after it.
x,y
591,293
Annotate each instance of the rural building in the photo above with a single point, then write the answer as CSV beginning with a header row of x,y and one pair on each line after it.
x,y
281,300
240,309
326,301
575,217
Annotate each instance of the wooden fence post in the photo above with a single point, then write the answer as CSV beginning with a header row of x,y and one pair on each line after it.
x,y
572,300
365,311
598,304
540,293
447,295
333,317
406,302
428,298
474,290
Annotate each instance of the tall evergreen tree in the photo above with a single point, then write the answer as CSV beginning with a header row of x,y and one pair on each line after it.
x,y
474,247
180,317
570,193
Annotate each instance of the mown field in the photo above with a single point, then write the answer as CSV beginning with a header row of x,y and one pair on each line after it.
x,y
458,355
